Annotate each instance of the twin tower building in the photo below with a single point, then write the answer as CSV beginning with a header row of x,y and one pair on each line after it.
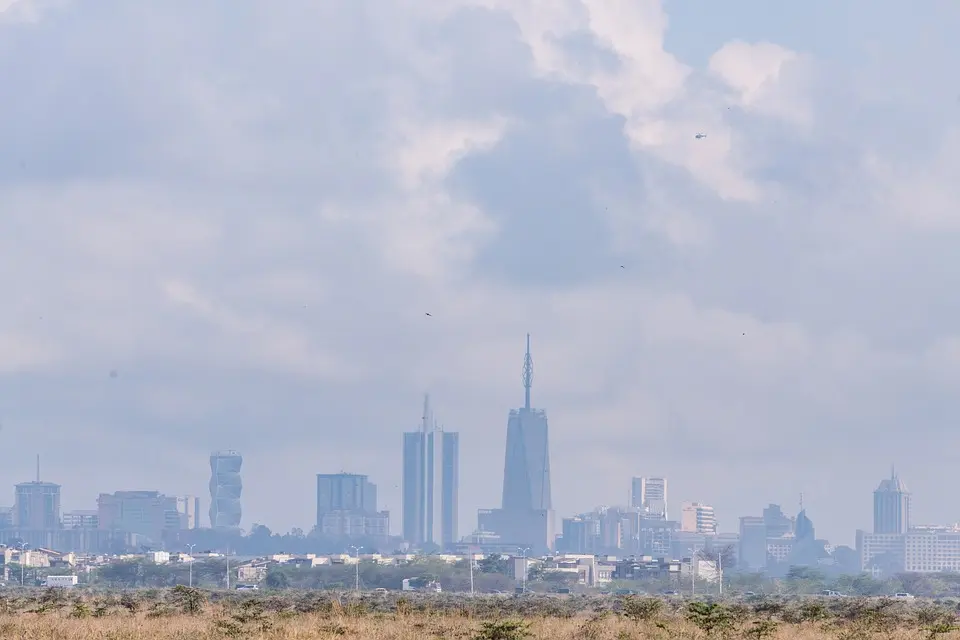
x,y
431,478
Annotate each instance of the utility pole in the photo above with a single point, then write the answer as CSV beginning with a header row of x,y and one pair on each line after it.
x,y
471,574
720,570
693,572
190,547
523,557
22,548
228,570
357,551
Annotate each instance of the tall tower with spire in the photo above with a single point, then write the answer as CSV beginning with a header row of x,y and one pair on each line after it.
x,y
526,469
526,514
891,505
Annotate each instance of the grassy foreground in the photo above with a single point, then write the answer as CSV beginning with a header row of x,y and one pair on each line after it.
x,y
183,613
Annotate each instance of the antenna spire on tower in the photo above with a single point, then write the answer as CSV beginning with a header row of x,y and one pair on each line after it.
x,y
527,375
38,468
425,425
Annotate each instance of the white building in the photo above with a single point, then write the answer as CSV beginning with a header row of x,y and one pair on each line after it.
x,y
931,549
698,518
650,495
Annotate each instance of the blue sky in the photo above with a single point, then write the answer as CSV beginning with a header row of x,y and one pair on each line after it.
x,y
246,209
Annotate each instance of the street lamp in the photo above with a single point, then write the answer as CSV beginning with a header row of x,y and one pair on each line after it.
x,y
22,546
523,558
357,551
471,573
190,547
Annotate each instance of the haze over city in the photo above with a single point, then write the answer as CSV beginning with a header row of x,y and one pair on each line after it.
x,y
274,226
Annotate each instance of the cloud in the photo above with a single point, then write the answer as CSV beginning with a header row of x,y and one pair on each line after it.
x,y
248,213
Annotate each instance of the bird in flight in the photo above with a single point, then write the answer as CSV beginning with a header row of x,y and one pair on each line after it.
x,y
428,314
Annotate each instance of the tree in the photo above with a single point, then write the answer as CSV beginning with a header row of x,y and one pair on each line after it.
x,y
725,557
277,579
494,564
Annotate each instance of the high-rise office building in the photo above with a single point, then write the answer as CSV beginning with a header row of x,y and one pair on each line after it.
x,y
37,504
753,543
147,513
891,506
431,479
345,492
526,513
650,496
778,523
697,518
189,508
347,507
225,489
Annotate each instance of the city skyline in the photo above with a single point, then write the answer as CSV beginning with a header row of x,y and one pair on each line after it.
x,y
208,252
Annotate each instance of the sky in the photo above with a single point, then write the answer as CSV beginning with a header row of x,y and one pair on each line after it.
x,y
246,208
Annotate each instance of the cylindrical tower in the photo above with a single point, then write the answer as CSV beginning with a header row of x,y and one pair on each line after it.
x,y
225,488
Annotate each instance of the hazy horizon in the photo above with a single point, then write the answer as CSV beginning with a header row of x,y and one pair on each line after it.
x,y
246,209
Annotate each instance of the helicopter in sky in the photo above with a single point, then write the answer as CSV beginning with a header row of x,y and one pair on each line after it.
x,y
700,136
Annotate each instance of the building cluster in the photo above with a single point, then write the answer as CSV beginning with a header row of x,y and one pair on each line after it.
x,y
896,545
122,519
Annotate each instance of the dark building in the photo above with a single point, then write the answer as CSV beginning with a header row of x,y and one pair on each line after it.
x,y
891,506
345,492
37,505
526,513
778,523
347,508
431,478
753,543
225,489
647,568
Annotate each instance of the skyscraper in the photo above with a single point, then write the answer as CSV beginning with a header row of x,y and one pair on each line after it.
x,y
347,508
147,513
697,518
37,504
891,506
526,513
345,492
650,495
431,479
225,489
526,467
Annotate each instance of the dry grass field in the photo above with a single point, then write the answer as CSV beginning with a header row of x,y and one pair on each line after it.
x,y
183,614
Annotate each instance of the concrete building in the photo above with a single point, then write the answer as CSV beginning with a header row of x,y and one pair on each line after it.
x,y
881,554
146,513
345,492
753,543
526,516
37,505
650,495
347,507
891,506
430,486
778,523
225,490
189,508
352,524
698,518
932,549
85,519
